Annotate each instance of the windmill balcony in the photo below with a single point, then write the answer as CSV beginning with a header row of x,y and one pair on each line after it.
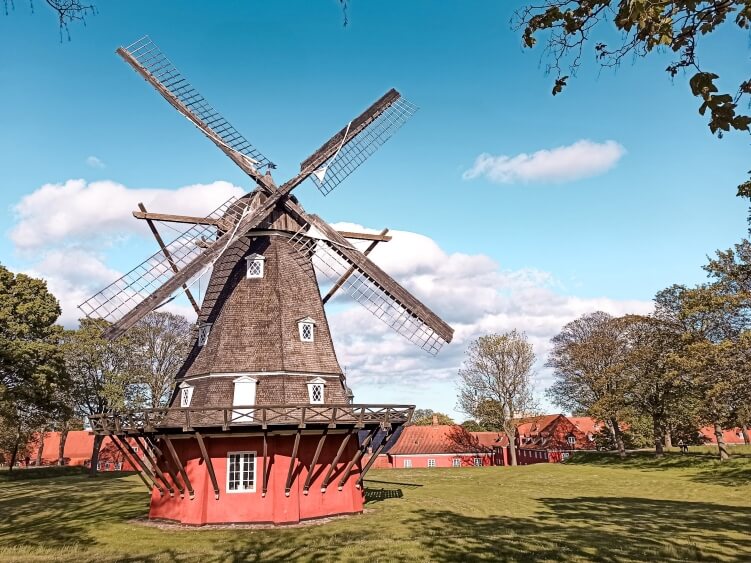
x,y
263,417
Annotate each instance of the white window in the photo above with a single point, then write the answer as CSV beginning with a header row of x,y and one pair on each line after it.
x,y
107,466
241,472
186,394
203,333
254,266
135,449
456,462
306,328
315,391
407,464
571,440
118,466
431,463
477,461
244,395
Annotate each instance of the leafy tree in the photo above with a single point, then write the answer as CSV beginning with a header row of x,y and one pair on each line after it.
x,y
160,343
645,26
473,426
31,365
424,417
495,382
587,359
102,373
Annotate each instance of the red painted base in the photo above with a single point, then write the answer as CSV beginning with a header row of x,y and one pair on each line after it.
x,y
253,507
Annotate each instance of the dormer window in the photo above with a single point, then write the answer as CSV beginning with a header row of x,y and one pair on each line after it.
x,y
306,328
254,266
203,333
186,394
244,395
316,391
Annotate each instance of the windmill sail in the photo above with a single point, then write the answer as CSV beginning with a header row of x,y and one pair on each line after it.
x,y
376,125
149,61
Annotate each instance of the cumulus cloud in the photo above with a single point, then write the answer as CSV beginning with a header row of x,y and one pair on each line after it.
x,y
582,159
90,212
473,293
94,162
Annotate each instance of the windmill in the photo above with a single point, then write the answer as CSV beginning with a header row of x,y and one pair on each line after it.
x,y
261,404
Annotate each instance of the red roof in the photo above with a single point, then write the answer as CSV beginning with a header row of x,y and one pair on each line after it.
x,y
731,435
534,425
439,439
491,439
586,424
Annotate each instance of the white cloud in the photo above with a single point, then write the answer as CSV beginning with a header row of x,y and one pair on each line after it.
x,y
94,162
89,213
582,159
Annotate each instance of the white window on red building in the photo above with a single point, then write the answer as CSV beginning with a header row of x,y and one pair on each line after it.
x,y
241,472
478,462
456,462
407,464
431,463
571,441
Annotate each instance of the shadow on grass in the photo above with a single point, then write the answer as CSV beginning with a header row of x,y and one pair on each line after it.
x,y
377,495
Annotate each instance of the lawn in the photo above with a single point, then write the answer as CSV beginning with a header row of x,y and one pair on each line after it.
x,y
596,508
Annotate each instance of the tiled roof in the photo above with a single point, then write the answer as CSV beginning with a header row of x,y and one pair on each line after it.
x,y
534,425
491,439
586,424
437,439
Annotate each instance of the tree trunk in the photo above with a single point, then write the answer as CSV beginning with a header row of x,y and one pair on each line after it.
x,y
41,448
744,431
659,435
512,447
618,435
722,447
14,452
668,439
61,447
95,454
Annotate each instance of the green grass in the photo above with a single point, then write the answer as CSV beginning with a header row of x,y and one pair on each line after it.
x,y
596,508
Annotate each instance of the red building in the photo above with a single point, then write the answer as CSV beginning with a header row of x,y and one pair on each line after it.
x,y
79,445
732,436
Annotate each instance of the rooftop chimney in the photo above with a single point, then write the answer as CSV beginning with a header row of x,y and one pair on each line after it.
x,y
435,420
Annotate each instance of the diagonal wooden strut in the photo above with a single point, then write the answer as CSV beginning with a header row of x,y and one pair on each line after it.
x,y
358,454
266,464
292,463
142,464
154,464
167,466
373,457
184,219
180,467
135,466
312,469
168,256
209,465
332,468
340,282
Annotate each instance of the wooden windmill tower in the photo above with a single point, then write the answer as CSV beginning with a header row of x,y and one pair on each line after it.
x,y
260,427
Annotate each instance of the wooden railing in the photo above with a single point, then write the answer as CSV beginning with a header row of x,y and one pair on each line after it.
x,y
189,418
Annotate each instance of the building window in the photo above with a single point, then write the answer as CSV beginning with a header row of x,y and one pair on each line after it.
x,y
477,461
203,333
241,472
118,466
315,391
431,463
456,462
107,466
407,464
135,449
306,328
244,395
186,394
571,441
254,266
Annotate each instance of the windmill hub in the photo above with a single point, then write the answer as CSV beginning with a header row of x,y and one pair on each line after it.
x,y
261,426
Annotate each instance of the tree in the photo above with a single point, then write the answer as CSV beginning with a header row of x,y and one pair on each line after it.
x,y
495,382
161,342
646,26
425,417
102,373
587,357
67,12
31,365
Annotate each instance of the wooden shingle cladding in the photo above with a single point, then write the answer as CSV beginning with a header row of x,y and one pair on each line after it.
x,y
254,322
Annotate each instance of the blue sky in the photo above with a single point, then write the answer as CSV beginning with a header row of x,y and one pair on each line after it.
x,y
289,74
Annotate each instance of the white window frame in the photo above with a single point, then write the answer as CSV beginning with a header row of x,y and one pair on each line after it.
x,y
477,461
203,334
571,440
239,490
118,466
318,382
309,323
407,464
186,394
248,384
431,462
254,259
456,462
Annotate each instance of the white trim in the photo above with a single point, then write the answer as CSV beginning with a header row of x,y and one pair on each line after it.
x,y
257,373
255,473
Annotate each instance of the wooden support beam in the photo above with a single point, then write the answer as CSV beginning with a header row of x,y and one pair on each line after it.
x,y
358,454
340,282
266,464
332,468
172,218
180,467
292,463
167,466
366,236
168,256
126,457
373,458
155,464
209,465
140,462
312,469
